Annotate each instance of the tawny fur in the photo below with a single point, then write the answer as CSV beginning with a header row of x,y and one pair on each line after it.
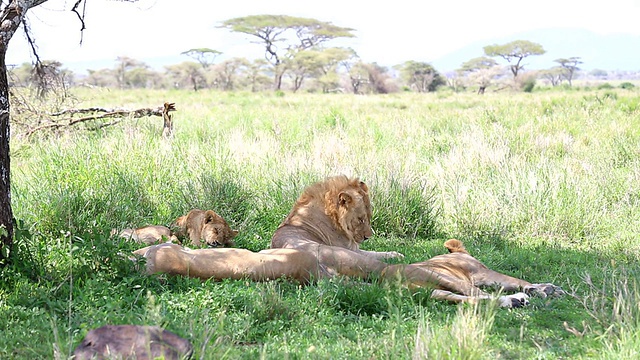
x,y
231,263
132,342
201,227
322,236
149,235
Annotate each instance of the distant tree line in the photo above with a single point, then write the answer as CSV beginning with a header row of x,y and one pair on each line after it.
x,y
298,58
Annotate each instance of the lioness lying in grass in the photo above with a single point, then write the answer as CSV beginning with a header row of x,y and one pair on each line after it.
x,y
200,227
196,228
321,238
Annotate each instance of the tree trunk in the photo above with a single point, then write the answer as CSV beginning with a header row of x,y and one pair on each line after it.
x,y
11,15
6,213
278,81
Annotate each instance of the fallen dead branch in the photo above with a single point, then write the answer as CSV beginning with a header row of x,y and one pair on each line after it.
x,y
65,118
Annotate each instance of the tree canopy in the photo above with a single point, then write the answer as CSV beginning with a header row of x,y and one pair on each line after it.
x,y
481,71
421,76
570,66
478,63
514,52
204,56
295,33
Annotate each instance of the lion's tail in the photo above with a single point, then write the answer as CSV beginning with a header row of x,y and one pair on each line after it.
x,y
454,245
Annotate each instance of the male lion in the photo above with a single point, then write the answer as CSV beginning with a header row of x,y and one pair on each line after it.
x,y
322,237
331,218
204,226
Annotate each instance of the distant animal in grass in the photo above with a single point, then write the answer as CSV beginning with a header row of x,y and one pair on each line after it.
x,y
132,342
200,227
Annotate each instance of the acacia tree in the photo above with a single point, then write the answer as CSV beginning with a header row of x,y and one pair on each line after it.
x,y
295,33
256,75
554,75
124,68
304,65
481,71
514,52
570,66
227,72
187,73
331,60
204,56
12,15
420,76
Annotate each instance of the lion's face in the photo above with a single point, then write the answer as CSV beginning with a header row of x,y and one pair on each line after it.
x,y
354,213
216,232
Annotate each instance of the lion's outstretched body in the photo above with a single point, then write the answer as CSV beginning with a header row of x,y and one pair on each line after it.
x,y
151,234
231,263
332,218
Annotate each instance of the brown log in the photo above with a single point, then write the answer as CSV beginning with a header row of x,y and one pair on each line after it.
x,y
98,113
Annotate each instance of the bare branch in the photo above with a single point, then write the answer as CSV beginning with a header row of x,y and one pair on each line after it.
x,y
119,114
81,18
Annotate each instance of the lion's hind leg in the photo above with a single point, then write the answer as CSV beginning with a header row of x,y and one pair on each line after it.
x,y
488,277
507,301
450,285
544,290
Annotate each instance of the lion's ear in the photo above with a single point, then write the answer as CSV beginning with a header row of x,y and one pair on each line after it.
x,y
454,245
364,187
209,216
344,199
234,233
179,222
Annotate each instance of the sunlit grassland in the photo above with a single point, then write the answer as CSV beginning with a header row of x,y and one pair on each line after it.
x,y
543,186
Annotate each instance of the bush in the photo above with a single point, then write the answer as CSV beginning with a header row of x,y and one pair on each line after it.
x,y
627,85
526,82
605,86
528,85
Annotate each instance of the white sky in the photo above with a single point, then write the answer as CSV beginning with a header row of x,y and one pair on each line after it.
x,y
388,32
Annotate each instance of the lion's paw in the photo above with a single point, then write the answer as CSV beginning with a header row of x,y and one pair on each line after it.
x,y
514,300
393,255
544,290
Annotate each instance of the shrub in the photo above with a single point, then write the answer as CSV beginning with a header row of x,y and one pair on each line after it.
x,y
627,85
605,86
528,85
526,82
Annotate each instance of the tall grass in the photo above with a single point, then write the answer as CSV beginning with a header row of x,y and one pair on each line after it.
x,y
464,336
615,305
543,186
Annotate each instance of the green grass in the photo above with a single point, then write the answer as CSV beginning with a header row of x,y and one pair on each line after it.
x,y
542,186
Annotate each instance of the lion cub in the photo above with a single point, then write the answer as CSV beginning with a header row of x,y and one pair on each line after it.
x,y
204,227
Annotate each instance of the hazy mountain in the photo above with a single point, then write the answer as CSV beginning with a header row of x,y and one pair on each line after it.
x,y
607,52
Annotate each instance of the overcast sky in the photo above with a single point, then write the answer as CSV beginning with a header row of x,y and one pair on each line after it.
x,y
388,32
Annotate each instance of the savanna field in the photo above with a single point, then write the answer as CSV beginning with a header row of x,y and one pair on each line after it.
x,y
543,186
